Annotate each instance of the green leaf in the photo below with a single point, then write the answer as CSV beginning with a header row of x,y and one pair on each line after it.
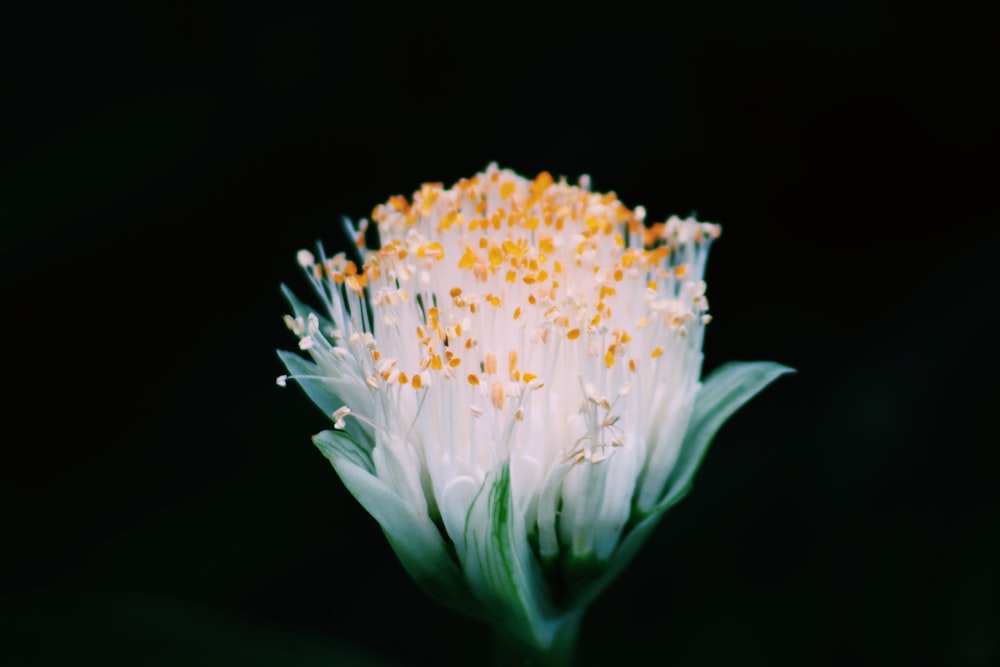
x,y
724,392
313,383
721,395
317,387
501,568
414,537
623,555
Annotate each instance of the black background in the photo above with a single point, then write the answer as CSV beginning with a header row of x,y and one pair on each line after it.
x,y
163,161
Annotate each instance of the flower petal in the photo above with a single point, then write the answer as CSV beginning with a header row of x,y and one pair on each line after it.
x,y
414,537
500,566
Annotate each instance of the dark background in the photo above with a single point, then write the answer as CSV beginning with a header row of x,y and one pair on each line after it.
x,y
163,161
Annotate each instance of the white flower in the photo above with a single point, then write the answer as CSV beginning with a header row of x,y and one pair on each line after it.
x,y
514,380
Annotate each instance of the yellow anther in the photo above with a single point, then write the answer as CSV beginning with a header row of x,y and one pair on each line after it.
x,y
496,395
473,379
357,283
498,217
434,250
495,256
468,259
656,352
573,334
448,220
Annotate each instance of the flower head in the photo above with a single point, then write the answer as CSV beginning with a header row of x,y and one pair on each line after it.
x,y
514,381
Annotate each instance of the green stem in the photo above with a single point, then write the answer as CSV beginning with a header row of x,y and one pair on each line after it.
x,y
512,651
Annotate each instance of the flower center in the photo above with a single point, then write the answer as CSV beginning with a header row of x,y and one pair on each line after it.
x,y
500,286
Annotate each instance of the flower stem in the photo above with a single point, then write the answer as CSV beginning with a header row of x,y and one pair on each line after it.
x,y
512,651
